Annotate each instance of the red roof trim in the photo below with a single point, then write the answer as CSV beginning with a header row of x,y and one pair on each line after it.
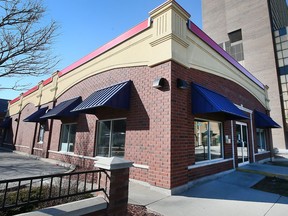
x,y
130,33
197,31
47,81
35,88
14,100
120,39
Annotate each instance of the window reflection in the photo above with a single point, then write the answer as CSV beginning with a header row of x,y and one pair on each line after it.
x,y
208,140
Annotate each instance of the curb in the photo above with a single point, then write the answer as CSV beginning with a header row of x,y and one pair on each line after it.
x,y
268,174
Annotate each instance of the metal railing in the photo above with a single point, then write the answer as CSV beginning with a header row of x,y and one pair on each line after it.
x,y
34,190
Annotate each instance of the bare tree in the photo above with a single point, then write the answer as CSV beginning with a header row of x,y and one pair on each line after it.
x,y
25,44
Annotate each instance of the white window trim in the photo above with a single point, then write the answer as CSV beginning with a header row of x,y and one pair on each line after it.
x,y
41,141
263,131
60,142
71,154
102,120
262,152
207,163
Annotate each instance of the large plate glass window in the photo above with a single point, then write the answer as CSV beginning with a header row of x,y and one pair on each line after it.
x,y
68,132
261,140
111,138
208,140
41,133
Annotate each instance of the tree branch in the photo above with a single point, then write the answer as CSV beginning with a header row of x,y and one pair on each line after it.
x,y
24,44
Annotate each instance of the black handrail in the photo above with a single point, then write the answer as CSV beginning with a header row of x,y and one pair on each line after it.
x,y
85,180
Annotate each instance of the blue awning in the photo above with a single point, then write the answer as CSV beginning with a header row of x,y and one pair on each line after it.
x,y
6,123
264,121
35,117
210,103
63,109
116,96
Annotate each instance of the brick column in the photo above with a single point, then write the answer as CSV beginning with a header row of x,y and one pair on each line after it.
x,y
117,183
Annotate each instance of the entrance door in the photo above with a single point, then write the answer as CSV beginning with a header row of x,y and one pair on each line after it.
x,y
242,143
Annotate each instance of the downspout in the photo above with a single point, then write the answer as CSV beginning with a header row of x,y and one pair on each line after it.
x,y
34,139
18,121
17,128
50,136
252,137
40,86
232,142
55,80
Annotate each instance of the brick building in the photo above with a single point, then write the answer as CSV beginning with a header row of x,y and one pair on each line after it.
x,y
163,95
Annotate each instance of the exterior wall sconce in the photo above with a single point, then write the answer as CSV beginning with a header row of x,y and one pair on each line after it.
x,y
182,84
16,120
158,83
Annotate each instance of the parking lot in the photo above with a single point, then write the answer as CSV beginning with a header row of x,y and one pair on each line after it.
x,y
14,165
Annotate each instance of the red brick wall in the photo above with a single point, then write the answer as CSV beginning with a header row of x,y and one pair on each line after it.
x,y
159,130
26,130
263,156
182,145
148,121
209,170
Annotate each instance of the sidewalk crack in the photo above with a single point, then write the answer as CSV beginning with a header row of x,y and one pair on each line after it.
x,y
273,205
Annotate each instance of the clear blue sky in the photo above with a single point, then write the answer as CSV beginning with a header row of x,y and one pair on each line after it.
x,y
86,25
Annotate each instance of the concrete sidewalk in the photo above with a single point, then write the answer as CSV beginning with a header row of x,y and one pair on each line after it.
x,y
230,194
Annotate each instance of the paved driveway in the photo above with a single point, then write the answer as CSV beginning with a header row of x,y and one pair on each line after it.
x,y
14,165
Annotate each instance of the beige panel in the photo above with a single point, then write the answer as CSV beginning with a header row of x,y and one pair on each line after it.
x,y
14,108
49,91
135,52
32,98
203,57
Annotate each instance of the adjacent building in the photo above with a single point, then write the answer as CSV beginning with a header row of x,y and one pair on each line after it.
x,y
163,95
255,34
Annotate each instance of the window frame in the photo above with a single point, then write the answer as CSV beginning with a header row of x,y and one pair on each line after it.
x,y
235,36
110,134
261,130
6,135
61,135
210,160
41,132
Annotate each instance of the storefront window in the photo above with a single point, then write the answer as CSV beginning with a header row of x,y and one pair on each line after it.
x,y
261,140
68,132
208,140
111,138
41,133
6,135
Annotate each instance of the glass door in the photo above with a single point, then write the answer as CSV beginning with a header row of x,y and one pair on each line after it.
x,y
242,143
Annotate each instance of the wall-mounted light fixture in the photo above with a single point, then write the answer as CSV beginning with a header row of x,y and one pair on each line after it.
x,y
158,83
16,120
182,84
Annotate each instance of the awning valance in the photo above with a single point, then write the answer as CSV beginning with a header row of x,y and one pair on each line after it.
x,y
116,96
35,117
6,123
210,103
63,109
264,121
